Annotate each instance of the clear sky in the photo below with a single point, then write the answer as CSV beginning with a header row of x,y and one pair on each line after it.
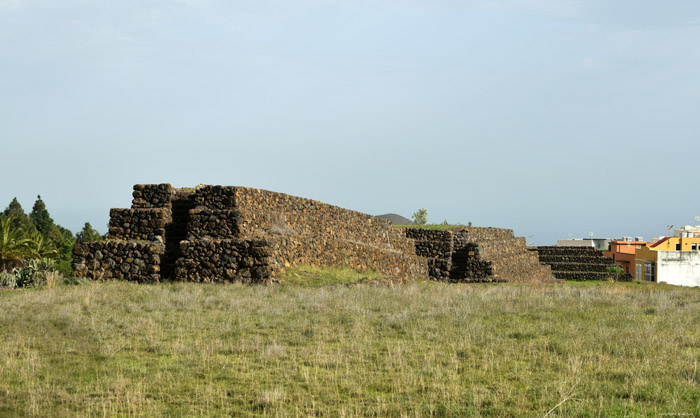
x,y
552,117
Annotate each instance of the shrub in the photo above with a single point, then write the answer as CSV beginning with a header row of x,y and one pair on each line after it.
x,y
616,273
7,279
38,272
24,276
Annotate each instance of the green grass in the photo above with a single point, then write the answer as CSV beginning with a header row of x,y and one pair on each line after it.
x,y
310,276
434,226
420,349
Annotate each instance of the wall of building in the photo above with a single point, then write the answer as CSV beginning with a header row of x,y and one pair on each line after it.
x,y
679,268
601,244
669,244
622,253
643,256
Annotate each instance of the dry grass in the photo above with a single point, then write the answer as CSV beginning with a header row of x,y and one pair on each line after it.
x,y
420,349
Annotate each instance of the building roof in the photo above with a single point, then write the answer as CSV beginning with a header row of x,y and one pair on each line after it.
x,y
659,242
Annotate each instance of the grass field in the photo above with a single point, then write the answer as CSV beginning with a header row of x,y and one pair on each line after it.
x,y
418,349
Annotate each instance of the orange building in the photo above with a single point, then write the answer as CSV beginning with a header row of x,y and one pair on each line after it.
x,y
622,253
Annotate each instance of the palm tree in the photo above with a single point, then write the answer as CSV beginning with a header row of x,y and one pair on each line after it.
x,y
40,247
13,248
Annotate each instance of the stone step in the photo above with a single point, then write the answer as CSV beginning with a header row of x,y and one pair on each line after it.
x,y
580,267
573,259
577,251
579,276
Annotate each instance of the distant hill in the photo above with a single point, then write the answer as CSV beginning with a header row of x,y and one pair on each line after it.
x,y
395,219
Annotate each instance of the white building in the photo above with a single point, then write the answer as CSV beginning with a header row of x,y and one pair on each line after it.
x,y
681,268
602,244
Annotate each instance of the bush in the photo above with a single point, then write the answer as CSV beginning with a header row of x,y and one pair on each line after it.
x,y
7,279
64,266
38,272
24,276
616,272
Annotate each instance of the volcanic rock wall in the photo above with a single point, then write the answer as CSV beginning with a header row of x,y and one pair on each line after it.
x,y
137,261
577,263
299,231
471,254
223,234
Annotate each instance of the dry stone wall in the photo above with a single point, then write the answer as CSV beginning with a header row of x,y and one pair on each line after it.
x,y
264,212
224,233
225,260
239,234
215,224
148,196
292,249
138,224
437,247
470,254
137,261
577,263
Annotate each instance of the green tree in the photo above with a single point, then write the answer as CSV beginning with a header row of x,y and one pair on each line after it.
x,y
40,217
45,224
88,234
14,249
21,223
420,217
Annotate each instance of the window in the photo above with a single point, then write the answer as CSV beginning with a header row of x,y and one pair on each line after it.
x,y
639,275
694,247
649,271
678,246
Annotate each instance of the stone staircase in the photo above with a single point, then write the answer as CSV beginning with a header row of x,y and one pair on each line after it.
x,y
575,263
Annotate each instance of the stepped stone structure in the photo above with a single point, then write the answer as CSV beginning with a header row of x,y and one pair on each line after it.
x,y
576,263
239,234
228,234
472,254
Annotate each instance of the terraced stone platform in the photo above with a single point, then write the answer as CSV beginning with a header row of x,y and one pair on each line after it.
x,y
472,254
575,263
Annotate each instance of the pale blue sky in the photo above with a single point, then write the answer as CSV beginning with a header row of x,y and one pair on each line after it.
x,y
552,117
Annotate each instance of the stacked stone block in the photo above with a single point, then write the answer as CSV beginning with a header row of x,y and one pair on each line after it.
x,y
135,247
437,247
138,224
208,223
225,234
137,261
225,260
147,196
576,263
470,254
